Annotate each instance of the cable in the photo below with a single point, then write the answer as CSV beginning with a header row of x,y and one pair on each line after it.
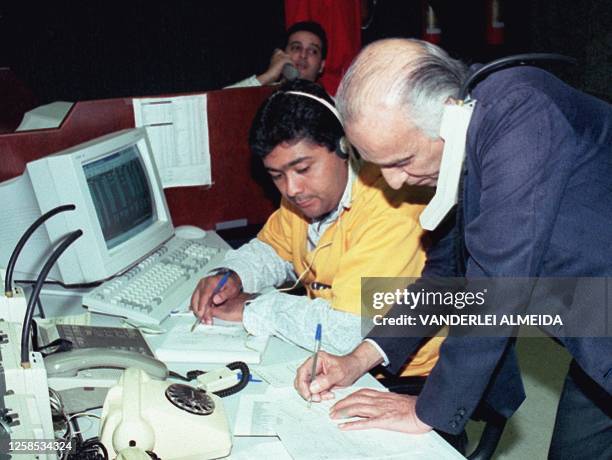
x,y
96,283
70,285
27,321
244,380
306,270
82,414
8,280
41,310
176,375
90,449
517,59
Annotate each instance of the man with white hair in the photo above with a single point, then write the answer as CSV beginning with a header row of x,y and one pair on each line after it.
x,y
536,203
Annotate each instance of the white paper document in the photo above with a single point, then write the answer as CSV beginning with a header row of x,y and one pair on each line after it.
x,y
266,449
278,375
256,416
308,433
210,344
178,131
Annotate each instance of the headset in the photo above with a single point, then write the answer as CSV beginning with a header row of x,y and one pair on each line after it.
x,y
344,149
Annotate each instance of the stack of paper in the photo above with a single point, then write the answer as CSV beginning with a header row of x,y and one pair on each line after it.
x,y
210,344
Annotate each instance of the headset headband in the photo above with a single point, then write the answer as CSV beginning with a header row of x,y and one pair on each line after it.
x,y
321,100
344,148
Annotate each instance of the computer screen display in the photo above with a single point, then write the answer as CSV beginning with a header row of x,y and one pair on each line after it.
x,y
121,195
119,202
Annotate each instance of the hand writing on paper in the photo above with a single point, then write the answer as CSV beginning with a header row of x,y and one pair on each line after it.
x,y
232,309
204,298
334,371
379,409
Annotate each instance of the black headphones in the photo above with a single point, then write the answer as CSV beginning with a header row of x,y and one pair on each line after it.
x,y
509,61
343,147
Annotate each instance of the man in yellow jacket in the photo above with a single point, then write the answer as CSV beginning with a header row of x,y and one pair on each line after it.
x,y
338,222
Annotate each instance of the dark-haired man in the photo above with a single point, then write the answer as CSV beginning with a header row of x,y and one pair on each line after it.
x,y
338,222
305,49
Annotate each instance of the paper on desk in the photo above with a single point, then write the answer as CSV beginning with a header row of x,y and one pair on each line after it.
x,y
178,132
278,375
210,344
256,416
309,434
266,449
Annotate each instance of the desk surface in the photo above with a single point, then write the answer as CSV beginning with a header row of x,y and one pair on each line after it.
x,y
277,351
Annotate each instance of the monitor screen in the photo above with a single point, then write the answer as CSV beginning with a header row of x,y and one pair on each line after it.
x,y
119,205
121,195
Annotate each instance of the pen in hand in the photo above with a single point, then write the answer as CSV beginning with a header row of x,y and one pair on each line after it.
x,y
314,358
216,291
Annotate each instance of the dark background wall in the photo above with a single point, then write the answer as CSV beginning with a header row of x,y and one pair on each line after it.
x,y
578,28
86,50
90,50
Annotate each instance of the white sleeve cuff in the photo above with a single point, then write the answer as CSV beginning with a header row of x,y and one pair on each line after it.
x,y
246,83
385,362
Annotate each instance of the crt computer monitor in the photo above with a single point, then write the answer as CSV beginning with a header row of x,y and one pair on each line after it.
x,y
120,206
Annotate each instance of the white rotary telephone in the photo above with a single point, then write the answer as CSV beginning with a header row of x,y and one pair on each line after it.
x,y
173,420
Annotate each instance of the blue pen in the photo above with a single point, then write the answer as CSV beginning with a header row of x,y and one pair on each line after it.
x,y
216,291
314,358
251,378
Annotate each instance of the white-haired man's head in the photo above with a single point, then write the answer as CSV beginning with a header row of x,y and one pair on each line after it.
x,y
392,99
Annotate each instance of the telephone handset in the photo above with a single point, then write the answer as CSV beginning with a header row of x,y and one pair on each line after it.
x,y
70,363
173,420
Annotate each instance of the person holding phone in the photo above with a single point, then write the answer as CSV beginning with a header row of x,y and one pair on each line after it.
x,y
303,56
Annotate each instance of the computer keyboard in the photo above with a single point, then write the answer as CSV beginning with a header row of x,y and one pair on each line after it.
x,y
149,291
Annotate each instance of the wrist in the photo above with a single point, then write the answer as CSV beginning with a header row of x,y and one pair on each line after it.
x,y
367,356
265,78
424,426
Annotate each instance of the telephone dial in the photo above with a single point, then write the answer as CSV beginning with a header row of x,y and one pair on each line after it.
x,y
175,421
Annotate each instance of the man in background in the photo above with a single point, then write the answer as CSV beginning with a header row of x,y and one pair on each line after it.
x,y
303,56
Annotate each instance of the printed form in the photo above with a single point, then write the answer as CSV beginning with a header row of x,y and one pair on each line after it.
x,y
178,131
209,343
308,433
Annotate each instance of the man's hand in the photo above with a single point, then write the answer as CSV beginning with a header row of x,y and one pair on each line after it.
x,y
203,301
334,371
277,62
379,409
232,309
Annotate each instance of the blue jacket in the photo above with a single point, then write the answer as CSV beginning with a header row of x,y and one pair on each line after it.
x,y
537,202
